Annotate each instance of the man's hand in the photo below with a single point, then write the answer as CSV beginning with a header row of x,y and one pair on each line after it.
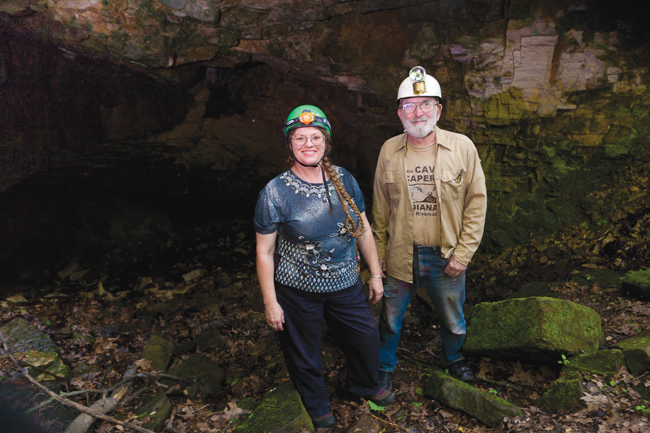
x,y
454,268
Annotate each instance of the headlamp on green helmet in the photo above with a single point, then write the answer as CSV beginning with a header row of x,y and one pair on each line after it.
x,y
306,115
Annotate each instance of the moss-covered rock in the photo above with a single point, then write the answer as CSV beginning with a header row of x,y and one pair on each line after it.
x,y
564,395
534,288
207,341
601,362
159,352
49,362
35,349
605,278
208,373
637,284
21,337
532,328
636,351
280,411
155,412
84,371
487,408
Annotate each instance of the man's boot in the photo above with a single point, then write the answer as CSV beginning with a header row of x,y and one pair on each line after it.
x,y
386,380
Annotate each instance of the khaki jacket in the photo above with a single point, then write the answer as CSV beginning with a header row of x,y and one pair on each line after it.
x,y
462,202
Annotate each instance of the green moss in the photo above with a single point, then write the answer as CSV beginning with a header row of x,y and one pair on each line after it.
x,y
637,284
564,395
159,352
637,352
280,410
506,108
46,361
155,412
487,408
532,328
601,362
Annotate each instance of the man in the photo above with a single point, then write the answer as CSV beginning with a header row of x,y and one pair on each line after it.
x,y
429,212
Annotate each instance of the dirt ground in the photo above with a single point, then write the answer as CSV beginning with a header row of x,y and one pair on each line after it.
x,y
80,298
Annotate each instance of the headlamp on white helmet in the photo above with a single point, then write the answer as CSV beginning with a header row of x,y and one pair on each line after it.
x,y
419,83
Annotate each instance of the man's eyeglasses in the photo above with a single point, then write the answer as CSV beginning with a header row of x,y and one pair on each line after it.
x,y
426,107
301,140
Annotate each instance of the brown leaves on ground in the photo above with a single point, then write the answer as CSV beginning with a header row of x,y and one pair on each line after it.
x,y
145,293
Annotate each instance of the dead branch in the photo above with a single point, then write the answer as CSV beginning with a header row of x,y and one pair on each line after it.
x,y
104,405
84,409
503,384
388,422
95,412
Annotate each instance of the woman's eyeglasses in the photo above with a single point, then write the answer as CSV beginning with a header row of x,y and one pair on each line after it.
x,y
301,140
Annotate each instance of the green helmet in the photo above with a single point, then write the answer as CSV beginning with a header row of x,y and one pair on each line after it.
x,y
306,115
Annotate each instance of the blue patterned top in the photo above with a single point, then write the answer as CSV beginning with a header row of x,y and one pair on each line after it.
x,y
316,253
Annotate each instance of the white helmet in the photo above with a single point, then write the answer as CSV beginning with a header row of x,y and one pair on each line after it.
x,y
408,87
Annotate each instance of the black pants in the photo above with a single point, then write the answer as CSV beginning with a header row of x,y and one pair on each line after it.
x,y
348,315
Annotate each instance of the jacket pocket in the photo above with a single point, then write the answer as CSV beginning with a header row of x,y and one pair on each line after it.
x,y
452,183
393,184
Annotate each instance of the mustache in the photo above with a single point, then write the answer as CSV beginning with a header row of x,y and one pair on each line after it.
x,y
420,119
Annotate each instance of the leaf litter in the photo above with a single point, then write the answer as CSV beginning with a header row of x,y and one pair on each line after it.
x,y
207,281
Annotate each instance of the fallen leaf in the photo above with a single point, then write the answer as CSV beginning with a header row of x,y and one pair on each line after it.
x,y
17,298
233,410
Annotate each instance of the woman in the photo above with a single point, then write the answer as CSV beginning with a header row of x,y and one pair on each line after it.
x,y
310,222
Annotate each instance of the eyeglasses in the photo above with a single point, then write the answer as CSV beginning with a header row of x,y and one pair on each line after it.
x,y
426,107
301,140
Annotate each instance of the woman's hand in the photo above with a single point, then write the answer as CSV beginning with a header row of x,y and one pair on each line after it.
x,y
274,316
376,290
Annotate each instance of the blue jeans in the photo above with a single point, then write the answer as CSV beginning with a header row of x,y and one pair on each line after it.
x,y
447,294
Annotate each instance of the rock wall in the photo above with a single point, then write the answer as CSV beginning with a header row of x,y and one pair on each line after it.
x,y
553,93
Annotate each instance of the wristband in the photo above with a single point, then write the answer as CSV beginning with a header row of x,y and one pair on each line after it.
x,y
375,276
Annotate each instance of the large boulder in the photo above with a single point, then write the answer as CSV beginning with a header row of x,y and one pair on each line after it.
x,y
487,408
535,328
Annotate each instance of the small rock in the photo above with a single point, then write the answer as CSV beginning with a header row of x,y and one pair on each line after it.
x,y
159,351
194,276
636,350
84,370
564,395
279,411
208,373
109,331
637,284
155,412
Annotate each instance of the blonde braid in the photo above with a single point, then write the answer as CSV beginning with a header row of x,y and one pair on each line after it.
x,y
344,198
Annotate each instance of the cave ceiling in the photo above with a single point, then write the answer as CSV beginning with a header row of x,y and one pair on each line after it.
x,y
553,93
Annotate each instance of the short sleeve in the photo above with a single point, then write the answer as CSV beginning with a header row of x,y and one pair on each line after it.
x,y
352,186
266,216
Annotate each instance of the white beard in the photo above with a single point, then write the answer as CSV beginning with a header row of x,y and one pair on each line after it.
x,y
423,130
